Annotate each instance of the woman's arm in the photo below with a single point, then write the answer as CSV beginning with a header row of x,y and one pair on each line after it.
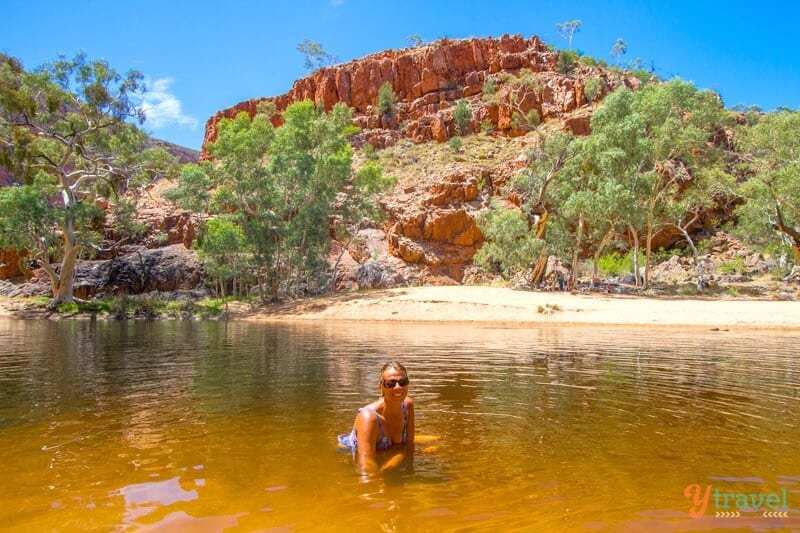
x,y
410,428
366,425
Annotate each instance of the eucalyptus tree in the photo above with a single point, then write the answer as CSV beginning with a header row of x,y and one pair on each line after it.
x,y
619,49
535,187
224,251
68,139
654,142
288,188
355,208
314,55
567,30
509,244
689,208
772,208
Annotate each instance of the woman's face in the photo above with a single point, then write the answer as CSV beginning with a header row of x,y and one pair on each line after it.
x,y
394,385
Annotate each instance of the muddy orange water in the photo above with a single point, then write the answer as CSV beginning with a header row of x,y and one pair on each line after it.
x,y
205,426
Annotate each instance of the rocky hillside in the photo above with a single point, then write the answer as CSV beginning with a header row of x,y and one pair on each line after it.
x,y
432,235
429,79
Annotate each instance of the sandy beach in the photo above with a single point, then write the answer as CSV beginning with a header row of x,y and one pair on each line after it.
x,y
507,307
503,306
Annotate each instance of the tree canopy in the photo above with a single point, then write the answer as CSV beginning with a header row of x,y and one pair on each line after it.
x,y
69,139
289,189
771,211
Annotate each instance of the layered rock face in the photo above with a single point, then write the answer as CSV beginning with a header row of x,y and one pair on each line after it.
x,y
429,79
434,225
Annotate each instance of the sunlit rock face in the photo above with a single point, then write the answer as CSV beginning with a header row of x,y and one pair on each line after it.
x,y
429,79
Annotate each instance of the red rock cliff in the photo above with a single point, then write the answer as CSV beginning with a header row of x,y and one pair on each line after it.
x,y
429,79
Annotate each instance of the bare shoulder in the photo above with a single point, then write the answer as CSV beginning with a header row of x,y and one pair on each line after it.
x,y
367,415
409,402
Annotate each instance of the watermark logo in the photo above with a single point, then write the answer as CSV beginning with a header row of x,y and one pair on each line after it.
x,y
731,504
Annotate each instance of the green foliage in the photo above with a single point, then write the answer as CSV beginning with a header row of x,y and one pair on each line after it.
x,y
68,308
224,251
614,264
387,100
489,86
644,147
455,143
567,59
527,122
26,216
487,126
589,61
733,266
462,116
192,190
592,88
643,75
67,138
40,301
772,208
509,246
489,94
532,118
357,208
285,189
314,55
369,152
125,221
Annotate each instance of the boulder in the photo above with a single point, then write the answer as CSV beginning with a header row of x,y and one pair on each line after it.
x,y
166,269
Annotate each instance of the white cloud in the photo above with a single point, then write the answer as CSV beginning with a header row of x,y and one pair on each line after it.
x,y
163,108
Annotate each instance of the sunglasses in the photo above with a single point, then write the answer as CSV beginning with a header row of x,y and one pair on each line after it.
x,y
391,383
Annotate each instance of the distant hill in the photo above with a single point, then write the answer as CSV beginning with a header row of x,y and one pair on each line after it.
x,y
184,155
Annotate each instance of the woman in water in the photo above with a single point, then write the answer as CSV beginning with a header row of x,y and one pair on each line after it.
x,y
386,422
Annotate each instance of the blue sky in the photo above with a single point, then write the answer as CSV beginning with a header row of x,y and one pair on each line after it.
x,y
201,56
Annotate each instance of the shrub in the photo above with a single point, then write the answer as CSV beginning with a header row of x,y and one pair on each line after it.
x,y
71,307
455,143
533,118
587,61
369,152
733,266
527,122
614,264
462,116
643,75
135,306
566,61
592,88
387,100
509,246
489,86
